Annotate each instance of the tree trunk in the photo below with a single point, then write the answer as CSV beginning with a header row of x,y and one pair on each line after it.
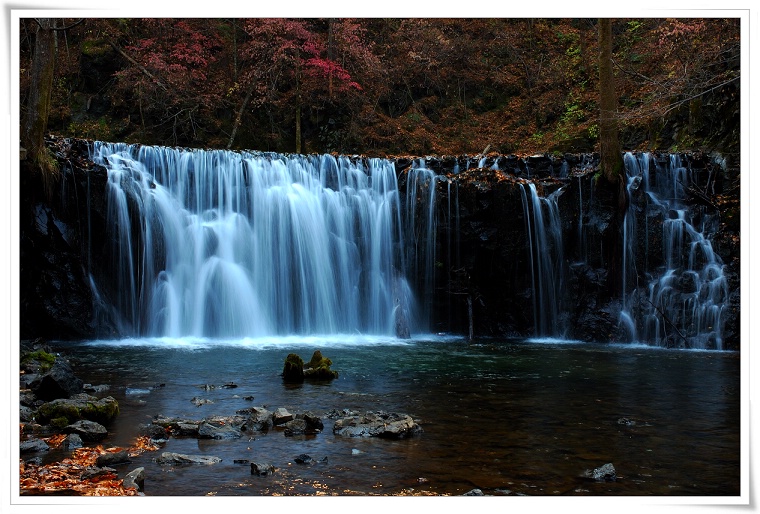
x,y
611,159
35,120
611,191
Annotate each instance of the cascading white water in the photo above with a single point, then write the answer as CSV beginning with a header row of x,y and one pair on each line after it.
x,y
544,234
421,225
237,244
684,299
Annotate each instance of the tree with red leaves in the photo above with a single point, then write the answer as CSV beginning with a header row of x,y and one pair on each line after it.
x,y
288,64
170,77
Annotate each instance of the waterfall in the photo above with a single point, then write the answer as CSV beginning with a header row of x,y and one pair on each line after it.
x,y
421,226
683,301
544,235
216,243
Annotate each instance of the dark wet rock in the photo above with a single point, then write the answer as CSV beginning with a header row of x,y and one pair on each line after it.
x,y
474,492
26,414
305,423
181,458
605,473
59,382
94,471
218,429
241,461
259,419
135,479
379,424
27,398
33,445
295,427
96,389
80,406
262,468
112,458
72,442
281,416
200,401
87,430
304,459
154,432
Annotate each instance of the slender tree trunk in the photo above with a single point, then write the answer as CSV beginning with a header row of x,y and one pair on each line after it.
x,y
239,116
609,141
35,120
611,186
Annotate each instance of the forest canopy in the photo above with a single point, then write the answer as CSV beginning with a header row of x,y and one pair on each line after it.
x,y
385,86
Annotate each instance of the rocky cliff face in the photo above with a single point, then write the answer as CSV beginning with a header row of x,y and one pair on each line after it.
x,y
485,275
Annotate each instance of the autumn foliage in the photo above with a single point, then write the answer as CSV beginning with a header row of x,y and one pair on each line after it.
x,y
68,475
393,85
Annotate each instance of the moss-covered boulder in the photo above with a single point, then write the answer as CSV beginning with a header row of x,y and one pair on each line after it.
x,y
293,370
319,368
79,407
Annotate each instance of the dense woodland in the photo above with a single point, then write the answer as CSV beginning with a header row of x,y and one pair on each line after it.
x,y
389,86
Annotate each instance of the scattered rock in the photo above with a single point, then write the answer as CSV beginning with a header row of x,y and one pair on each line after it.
x,y
33,445
181,458
304,459
605,473
379,424
112,458
474,492
213,429
72,442
135,479
58,382
281,416
94,471
262,469
87,430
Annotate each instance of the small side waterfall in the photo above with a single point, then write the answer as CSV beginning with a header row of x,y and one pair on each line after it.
x,y
236,244
544,235
683,299
420,231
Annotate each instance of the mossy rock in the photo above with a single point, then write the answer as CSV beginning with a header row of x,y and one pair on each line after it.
x,y
38,361
79,406
319,367
293,369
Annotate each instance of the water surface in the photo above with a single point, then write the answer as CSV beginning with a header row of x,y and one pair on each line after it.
x,y
510,417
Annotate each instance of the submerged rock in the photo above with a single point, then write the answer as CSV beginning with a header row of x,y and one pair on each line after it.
x,y
380,424
181,458
605,473
262,468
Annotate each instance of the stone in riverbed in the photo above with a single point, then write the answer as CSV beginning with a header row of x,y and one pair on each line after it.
x,y
605,473
181,458
135,479
112,458
33,445
79,406
377,424
212,429
262,469
87,430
